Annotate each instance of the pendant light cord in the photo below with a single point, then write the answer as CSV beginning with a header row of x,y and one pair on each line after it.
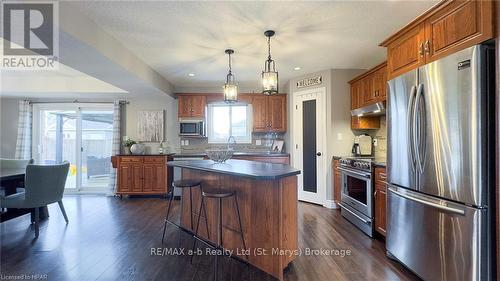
x,y
229,57
269,48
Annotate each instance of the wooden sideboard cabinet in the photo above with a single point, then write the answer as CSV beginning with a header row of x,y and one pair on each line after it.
x,y
142,174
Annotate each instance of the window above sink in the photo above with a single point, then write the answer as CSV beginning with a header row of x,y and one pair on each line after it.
x,y
225,120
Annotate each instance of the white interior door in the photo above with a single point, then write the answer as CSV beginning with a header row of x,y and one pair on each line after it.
x,y
79,134
310,144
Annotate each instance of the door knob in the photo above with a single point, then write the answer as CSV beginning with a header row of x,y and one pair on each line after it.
x,y
319,153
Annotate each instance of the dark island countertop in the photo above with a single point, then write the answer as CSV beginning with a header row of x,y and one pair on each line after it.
x,y
242,153
244,168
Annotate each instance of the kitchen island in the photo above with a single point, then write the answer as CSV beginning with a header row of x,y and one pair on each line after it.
x,y
267,196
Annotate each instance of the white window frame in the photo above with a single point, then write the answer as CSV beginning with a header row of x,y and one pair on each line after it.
x,y
210,124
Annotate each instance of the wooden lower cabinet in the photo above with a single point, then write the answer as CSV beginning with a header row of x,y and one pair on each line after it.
x,y
143,174
380,202
380,208
337,181
266,159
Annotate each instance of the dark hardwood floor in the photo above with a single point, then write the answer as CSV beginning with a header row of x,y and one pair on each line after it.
x,y
111,239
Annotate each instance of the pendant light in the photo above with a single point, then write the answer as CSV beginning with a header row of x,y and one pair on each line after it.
x,y
269,75
230,87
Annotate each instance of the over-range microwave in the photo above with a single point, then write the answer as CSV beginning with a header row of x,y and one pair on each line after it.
x,y
192,127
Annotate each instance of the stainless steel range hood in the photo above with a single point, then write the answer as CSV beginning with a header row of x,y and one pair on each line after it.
x,y
375,109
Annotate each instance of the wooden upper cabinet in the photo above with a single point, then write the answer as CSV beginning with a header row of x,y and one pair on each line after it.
x,y
365,123
448,27
277,113
192,106
269,113
460,25
380,84
184,108
355,93
406,52
259,107
367,93
245,98
369,87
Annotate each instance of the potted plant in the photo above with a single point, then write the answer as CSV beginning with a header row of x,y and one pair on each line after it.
x,y
127,144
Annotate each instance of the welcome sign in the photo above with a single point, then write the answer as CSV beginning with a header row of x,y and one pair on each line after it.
x,y
308,82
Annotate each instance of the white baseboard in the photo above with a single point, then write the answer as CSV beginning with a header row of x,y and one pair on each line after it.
x,y
330,204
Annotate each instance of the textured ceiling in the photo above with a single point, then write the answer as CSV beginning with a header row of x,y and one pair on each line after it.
x,y
177,38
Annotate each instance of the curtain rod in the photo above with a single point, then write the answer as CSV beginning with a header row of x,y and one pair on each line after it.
x,y
77,101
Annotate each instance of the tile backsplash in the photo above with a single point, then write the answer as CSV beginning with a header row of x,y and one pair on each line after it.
x,y
380,151
381,136
261,142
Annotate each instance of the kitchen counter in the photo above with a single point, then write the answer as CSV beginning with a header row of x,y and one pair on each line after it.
x,y
157,154
257,154
242,168
379,164
267,197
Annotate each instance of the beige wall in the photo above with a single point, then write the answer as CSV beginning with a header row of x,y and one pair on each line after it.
x,y
9,114
338,132
166,103
9,110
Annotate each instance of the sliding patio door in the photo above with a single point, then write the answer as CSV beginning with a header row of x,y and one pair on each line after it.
x,y
81,134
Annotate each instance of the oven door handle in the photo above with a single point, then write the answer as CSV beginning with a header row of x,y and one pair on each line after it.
x,y
354,214
355,173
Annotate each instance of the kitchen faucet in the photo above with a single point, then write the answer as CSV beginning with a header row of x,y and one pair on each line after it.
x,y
229,140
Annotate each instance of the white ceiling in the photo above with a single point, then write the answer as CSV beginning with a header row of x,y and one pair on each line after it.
x,y
177,38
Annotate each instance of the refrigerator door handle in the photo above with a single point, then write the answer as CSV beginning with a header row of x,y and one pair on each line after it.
x,y
409,118
418,129
427,203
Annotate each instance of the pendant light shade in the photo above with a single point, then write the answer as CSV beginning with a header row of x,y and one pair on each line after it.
x,y
230,88
269,75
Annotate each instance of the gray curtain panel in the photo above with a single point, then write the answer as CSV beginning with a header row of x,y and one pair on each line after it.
x,y
25,121
117,136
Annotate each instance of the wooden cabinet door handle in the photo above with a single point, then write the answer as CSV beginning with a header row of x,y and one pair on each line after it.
x,y
375,194
421,49
427,47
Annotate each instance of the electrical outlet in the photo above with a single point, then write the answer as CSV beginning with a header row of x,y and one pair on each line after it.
x,y
339,136
375,142
258,142
186,142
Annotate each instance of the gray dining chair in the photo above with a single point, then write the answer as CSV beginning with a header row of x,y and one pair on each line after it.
x,y
44,185
14,164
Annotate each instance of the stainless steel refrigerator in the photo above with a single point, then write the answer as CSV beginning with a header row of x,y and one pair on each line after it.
x,y
440,167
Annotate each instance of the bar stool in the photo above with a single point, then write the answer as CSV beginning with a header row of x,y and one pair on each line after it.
x,y
219,194
182,184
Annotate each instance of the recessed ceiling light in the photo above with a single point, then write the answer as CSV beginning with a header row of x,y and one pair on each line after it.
x,y
297,68
191,74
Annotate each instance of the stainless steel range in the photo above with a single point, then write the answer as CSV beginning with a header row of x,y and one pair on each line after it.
x,y
356,201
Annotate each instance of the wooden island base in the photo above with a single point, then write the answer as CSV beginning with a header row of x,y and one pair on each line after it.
x,y
268,209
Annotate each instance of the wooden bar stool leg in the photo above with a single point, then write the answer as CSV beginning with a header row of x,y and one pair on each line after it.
x,y
220,223
191,208
206,218
241,228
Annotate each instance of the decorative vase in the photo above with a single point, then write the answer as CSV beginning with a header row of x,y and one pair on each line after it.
x,y
137,149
